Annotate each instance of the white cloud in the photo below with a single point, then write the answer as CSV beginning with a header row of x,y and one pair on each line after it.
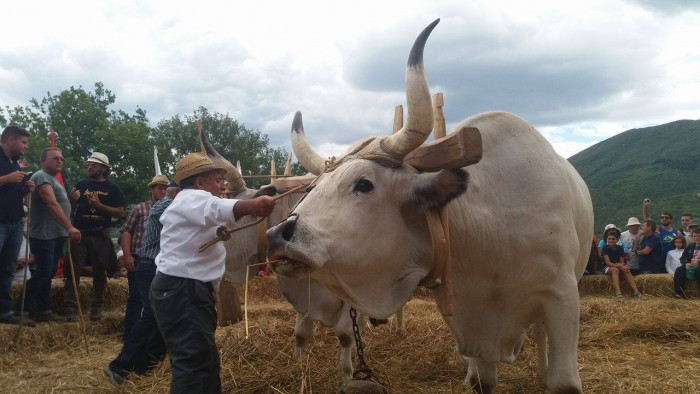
x,y
580,71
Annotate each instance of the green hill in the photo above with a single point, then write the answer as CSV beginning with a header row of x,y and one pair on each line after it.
x,y
660,162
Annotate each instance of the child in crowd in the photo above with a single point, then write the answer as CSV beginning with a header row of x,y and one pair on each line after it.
x,y
689,264
614,257
673,258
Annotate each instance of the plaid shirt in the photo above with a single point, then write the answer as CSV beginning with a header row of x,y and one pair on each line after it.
x,y
134,224
151,239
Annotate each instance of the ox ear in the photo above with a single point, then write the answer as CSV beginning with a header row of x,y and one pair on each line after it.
x,y
269,190
435,190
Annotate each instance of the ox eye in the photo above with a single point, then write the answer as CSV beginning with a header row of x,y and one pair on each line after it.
x,y
363,186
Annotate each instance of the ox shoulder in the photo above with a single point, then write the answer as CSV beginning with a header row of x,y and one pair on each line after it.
x,y
458,149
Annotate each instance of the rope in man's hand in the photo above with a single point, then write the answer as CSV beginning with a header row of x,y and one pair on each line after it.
x,y
223,233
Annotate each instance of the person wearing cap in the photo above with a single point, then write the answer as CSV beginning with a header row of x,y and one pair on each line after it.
x,y
49,226
629,239
13,187
96,200
182,292
132,234
603,241
144,346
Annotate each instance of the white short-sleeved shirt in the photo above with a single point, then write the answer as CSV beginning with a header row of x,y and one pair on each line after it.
x,y
190,221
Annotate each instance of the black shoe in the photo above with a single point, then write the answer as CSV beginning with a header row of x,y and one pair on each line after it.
x,y
113,377
50,317
69,314
96,314
14,319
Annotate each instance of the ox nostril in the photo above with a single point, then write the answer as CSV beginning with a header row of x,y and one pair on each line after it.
x,y
288,229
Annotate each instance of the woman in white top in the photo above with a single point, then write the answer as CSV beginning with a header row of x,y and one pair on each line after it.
x,y
673,258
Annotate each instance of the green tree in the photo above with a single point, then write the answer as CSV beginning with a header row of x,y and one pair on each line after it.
x,y
84,123
235,142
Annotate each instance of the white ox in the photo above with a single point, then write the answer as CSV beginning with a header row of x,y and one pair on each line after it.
x,y
242,250
520,225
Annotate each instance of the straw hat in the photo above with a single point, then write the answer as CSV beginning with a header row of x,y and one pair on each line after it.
x,y
99,158
161,180
194,164
633,221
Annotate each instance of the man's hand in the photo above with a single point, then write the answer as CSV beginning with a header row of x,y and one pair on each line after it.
x,y
75,194
74,234
128,261
93,201
646,202
30,186
15,177
259,206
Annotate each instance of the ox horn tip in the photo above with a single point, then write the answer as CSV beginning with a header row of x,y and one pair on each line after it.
x,y
297,124
416,56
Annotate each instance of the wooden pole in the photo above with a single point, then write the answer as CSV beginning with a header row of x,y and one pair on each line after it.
x,y
398,118
439,130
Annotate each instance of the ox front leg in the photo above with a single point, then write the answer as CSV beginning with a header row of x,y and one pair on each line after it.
x,y
540,336
561,322
400,323
302,333
346,339
482,376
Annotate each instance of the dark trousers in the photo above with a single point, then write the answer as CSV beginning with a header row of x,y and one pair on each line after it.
x,y
46,254
679,279
95,247
186,315
10,244
143,346
133,303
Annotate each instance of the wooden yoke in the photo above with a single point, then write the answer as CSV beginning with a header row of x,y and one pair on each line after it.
x,y
439,132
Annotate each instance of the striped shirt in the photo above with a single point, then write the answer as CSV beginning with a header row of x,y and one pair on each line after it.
x,y
134,223
150,246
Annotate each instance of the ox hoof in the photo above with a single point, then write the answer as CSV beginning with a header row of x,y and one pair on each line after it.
x,y
361,387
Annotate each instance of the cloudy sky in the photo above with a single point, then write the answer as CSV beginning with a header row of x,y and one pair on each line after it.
x,y
579,71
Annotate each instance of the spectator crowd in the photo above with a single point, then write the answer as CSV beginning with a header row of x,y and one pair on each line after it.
x,y
648,248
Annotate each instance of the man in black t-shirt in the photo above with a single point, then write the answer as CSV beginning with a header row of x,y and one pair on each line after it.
x,y
13,187
96,201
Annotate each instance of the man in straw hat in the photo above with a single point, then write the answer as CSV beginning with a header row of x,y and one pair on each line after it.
x,y
182,292
13,187
629,239
144,346
96,201
130,241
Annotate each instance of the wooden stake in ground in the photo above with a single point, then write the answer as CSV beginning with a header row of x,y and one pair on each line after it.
x,y
26,267
77,297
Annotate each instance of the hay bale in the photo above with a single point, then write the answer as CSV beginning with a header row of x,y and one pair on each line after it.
x,y
116,293
658,285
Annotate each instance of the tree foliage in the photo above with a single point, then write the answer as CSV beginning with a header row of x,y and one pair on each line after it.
x,y
86,123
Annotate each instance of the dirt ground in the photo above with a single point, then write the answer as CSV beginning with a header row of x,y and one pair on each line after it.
x,y
649,346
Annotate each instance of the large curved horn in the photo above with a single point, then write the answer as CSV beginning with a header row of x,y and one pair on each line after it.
x,y
312,161
234,181
419,120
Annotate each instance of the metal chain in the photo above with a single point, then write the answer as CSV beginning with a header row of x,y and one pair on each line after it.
x,y
364,372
